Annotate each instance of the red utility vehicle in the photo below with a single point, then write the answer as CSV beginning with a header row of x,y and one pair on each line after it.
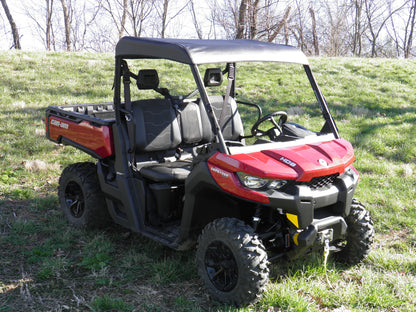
x,y
177,168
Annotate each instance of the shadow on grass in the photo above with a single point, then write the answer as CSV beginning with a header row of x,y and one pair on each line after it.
x,y
47,265
387,138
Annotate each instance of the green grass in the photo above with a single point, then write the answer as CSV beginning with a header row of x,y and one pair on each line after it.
x,y
45,265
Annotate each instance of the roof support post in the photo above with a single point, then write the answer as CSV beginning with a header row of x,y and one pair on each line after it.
x,y
322,102
117,89
121,139
208,108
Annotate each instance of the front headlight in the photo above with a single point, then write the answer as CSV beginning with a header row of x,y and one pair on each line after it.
x,y
253,182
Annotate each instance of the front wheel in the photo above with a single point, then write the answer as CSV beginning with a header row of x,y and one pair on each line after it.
x,y
232,262
360,235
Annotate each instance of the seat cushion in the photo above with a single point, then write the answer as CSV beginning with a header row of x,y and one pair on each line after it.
x,y
176,171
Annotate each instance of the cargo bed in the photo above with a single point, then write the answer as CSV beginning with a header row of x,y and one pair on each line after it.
x,y
84,126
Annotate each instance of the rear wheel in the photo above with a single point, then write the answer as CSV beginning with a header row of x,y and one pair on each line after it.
x,y
360,235
232,262
80,197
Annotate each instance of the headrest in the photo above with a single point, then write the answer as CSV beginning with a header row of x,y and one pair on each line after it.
x,y
147,79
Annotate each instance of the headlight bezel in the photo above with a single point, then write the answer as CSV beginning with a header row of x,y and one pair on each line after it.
x,y
257,183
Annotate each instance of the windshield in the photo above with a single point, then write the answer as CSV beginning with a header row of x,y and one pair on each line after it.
x,y
273,87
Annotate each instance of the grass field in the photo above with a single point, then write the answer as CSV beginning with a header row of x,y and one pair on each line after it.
x,y
45,265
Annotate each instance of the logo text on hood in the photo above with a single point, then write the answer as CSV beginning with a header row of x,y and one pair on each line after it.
x,y
288,162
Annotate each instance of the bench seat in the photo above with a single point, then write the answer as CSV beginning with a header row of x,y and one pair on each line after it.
x,y
169,172
162,129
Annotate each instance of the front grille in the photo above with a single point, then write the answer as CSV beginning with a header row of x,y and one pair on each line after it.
x,y
320,182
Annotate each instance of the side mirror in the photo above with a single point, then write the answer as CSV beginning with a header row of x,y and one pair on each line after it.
x,y
213,77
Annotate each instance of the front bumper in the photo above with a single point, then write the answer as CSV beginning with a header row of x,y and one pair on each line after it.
x,y
317,214
311,205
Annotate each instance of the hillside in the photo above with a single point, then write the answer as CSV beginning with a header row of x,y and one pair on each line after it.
x,y
47,266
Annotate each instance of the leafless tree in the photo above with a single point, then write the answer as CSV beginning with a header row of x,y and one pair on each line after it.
x,y
270,19
334,27
298,26
223,18
358,28
117,9
123,19
67,14
314,31
253,10
83,18
166,14
49,30
378,13
276,27
15,32
195,19
409,30
251,19
322,27
139,11
241,20
42,17
402,28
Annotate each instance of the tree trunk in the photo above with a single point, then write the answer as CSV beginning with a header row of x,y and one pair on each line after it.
x,y
409,42
134,19
283,23
195,19
123,20
253,9
164,17
357,44
15,32
241,20
67,23
314,32
49,10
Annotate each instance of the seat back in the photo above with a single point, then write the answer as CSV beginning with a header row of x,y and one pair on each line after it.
x,y
190,123
157,127
229,120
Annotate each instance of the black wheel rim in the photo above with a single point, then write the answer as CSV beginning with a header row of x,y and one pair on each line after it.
x,y
221,266
74,199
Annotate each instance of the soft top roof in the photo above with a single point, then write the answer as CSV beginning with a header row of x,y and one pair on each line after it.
x,y
194,51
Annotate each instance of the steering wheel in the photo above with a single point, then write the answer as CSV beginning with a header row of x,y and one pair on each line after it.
x,y
255,131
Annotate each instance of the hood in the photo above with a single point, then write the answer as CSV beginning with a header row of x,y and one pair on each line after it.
x,y
300,163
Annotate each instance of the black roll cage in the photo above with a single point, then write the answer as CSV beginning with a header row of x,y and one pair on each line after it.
x,y
123,115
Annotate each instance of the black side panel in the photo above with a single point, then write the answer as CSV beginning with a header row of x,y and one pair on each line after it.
x,y
125,194
204,202
125,199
